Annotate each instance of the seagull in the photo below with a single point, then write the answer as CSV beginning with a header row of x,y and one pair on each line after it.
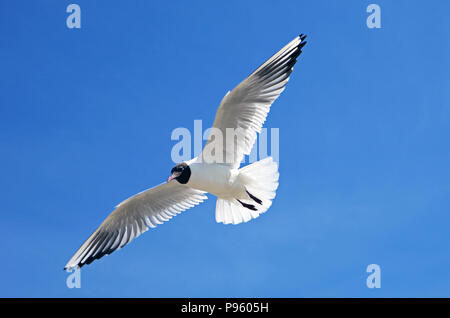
x,y
242,193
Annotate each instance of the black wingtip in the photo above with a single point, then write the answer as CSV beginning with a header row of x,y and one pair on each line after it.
x,y
254,198
77,266
302,37
248,206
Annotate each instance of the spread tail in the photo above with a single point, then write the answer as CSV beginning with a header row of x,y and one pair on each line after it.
x,y
260,180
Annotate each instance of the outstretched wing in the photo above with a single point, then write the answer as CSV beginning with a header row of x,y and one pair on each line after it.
x,y
245,109
133,216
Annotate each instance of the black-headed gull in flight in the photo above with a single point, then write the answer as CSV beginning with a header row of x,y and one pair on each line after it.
x,y
242,194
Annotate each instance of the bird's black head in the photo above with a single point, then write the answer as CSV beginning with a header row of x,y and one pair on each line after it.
x,y
181,172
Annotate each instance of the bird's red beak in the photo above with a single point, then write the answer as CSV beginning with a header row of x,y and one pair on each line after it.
x,y
171,177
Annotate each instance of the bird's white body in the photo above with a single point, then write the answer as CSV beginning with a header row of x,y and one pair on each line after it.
x,y
219,179
242,193
234,188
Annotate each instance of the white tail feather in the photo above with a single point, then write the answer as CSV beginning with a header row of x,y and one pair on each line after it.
x,y
260,179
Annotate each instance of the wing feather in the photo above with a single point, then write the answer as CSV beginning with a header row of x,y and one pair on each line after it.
x,y
246,107
133,217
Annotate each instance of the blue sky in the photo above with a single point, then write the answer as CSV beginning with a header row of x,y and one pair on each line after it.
x,y
86,117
